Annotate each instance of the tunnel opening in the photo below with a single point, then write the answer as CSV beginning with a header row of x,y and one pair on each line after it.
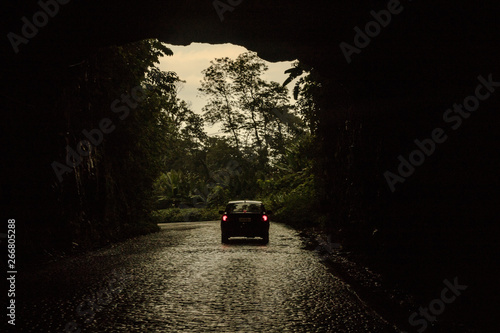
x,y
250,120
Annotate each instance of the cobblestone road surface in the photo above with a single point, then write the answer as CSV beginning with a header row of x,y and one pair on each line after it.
x,y
183,279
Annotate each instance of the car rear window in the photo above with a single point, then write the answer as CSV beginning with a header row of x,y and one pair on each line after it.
x,y
244,207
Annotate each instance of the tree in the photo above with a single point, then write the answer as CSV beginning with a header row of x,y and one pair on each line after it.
x,y
250,109
306,91
221,106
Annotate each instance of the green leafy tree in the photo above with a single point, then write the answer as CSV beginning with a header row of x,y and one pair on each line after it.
x,y
306,92
250,109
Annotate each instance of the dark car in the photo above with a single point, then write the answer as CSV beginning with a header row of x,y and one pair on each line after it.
x,y
245,218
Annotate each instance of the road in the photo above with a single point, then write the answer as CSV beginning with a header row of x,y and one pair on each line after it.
x,y
183,279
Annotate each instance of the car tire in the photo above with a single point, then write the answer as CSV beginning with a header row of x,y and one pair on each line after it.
x,y
265,238
224,238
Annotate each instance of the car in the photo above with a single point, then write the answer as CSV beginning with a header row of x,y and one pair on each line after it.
x,y
245,218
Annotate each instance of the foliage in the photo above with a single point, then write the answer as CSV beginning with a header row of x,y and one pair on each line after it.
x,y
267,153
260,123
306,91
291,191
249,109
109,194
159,156
186,215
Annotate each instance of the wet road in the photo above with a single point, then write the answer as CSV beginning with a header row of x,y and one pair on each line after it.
x,y
183,279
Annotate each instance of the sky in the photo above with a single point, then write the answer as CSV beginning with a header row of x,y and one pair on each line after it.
x,y
189,61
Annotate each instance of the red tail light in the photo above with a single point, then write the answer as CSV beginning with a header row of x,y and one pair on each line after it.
x,y
264,218
224,218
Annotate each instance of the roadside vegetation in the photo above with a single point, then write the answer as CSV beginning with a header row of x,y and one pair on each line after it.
x,y
155,162
159,165
264,151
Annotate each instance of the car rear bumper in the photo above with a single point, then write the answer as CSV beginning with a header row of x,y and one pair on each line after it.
x,y
250,229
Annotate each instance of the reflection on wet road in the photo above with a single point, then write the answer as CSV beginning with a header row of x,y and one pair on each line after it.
x,y
184,280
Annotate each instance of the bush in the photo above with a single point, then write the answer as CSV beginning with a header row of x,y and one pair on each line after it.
x,y
292,198
140,228
186,215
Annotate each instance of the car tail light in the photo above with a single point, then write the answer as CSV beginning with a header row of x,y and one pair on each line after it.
x,y
264,218
224,218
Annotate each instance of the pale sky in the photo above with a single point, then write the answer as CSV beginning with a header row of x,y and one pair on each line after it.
x,y
189,61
